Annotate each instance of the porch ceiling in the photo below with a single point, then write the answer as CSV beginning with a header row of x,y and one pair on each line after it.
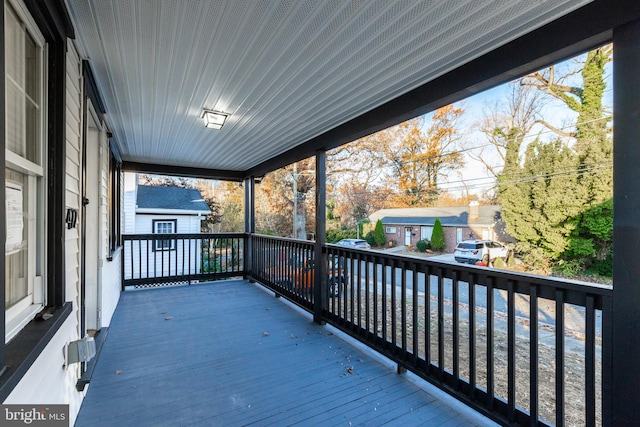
x,y
288,71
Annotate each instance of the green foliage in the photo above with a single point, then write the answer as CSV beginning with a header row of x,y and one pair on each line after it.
x,y
557,201
533,256
423,245
569,268
437,236
378,234
539,206
499,263
603,267
369,237
364,226
211,266
334,236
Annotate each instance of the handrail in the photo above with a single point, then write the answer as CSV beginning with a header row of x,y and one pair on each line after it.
x,y
478,333
152,260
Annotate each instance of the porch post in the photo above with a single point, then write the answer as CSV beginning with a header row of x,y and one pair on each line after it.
x,y
624,346
249,224
319,278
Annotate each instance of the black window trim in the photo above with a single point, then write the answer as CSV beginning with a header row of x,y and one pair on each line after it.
x,y
18,355
114,202
173,245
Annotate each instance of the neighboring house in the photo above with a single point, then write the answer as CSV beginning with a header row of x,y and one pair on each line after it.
x,y
408,225
152,209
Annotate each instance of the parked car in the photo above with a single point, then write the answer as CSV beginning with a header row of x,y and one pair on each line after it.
x,y
296,272
485,251
355,243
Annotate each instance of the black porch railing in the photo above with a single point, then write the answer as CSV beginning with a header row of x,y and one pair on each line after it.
x,y
152,260
519,348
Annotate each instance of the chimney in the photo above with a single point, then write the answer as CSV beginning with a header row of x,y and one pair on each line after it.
x,y
474,211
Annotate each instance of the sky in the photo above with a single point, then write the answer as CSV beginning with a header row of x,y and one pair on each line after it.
x,y
474,175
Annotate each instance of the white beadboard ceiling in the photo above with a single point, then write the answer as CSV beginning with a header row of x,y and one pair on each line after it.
x,y
286,70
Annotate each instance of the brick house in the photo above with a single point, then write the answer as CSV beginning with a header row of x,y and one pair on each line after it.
x,y
406,226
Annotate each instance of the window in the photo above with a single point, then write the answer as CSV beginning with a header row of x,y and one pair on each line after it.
x,y
390,230
164,227
24,171
426,232
114,203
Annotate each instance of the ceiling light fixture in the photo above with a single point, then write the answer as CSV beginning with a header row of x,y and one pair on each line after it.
x,y
214,119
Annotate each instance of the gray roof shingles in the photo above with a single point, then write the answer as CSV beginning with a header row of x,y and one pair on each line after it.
x,y
449,216
175,198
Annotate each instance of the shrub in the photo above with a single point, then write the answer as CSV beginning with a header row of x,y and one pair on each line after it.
x,y
370,239
423,245
437,237
336,235
378,234
569,268
499,263
603,267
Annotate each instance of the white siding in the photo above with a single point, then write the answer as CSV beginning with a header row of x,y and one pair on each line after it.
x,y
129,204
47,382
111,273
183,259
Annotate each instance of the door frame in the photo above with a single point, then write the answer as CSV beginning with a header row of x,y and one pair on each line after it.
x,y
91,123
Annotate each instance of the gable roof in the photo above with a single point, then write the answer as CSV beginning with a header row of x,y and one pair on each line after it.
x,y
449,215
156,199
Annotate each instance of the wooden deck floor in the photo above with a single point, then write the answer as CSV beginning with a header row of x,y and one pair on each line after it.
x,y
229,354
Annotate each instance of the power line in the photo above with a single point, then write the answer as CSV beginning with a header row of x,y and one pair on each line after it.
x,y
595,170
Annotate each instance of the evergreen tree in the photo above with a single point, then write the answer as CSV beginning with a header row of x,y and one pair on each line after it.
x,y
378,234
539,205
559,202
437,236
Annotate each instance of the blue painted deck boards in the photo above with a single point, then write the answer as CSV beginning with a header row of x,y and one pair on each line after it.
x,y
228,354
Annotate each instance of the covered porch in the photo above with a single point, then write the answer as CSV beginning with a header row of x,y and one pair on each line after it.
x,y
229,353
125,86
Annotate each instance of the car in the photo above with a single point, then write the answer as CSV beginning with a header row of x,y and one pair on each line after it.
x,y
295,273
355,243
484,251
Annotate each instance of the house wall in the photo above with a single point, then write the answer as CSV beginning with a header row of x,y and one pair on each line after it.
x,y
110,271
450,234
184,259
47,381
129,204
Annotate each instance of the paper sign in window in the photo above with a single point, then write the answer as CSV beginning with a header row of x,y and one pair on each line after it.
x,y
15,223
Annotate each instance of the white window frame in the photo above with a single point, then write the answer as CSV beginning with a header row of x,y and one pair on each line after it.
x,y
22,312
390,230
160,243
426,231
